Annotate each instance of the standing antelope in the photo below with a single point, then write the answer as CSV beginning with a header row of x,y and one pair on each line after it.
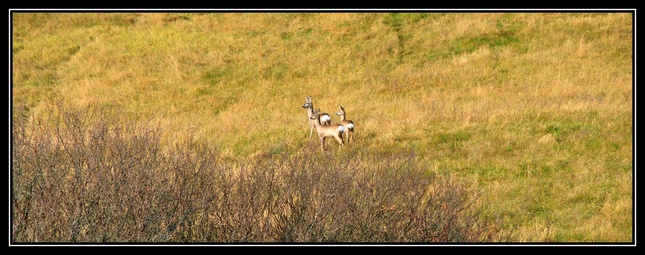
x,y
325,119
336,131
347,123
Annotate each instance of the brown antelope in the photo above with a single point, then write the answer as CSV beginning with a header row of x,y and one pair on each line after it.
x,y
349,125
336,131
325,119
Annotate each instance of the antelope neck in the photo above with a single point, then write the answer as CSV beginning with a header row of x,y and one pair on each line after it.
x,y
310,110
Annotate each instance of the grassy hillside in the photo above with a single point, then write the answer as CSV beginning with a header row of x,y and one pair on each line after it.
x,y
534,110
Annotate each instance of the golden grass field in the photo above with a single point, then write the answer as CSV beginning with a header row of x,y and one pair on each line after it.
x,y
533,110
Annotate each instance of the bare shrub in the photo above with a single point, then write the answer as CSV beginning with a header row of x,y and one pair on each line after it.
x,y
89,175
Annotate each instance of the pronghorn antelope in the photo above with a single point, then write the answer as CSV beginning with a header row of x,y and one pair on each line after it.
x,y
349,125
336,131
325,119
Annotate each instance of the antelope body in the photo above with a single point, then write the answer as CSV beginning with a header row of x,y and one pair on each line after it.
x,y
324,118
336,131
349,125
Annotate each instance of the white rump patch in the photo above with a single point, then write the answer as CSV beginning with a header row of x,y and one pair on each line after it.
x,y
350,126
325,118
341,128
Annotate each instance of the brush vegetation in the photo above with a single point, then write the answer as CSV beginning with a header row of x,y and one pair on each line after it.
x,y
525,121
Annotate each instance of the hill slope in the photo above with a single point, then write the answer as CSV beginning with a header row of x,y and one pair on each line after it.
x,y
535,109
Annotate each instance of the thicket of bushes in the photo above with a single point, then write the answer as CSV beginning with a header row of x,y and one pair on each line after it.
x,y
88,175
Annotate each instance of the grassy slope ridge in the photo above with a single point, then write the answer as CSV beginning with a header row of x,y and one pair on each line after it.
x,y
535,109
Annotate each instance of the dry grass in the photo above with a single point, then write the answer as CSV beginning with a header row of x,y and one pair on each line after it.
x,y
534,109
